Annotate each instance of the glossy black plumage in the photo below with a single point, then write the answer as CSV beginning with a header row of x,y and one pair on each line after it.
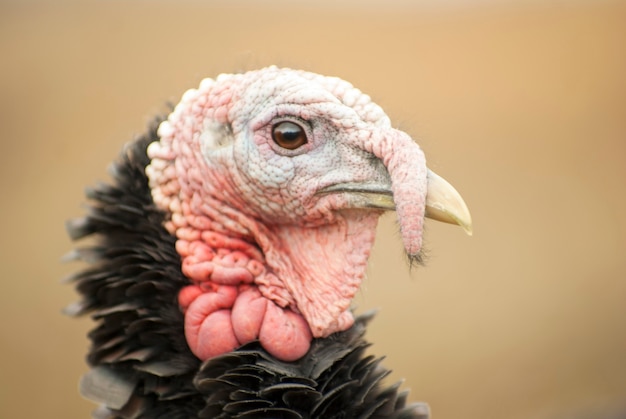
x,y
141,365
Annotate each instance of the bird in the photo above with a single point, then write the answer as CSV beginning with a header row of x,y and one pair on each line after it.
x,y
228,245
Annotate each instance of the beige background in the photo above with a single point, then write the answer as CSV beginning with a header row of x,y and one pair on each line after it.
x,y
520,104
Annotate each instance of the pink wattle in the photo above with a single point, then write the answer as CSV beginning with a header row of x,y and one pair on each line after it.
x,y
248,314
284,334
208,327
223,319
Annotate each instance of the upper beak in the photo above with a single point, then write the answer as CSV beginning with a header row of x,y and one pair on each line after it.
x,y
443,202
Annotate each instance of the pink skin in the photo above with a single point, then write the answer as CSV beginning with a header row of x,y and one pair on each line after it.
x,y
249,314
220,320
208,325
268,257
284,333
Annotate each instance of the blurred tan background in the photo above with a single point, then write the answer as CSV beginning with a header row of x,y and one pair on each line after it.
x,y
520,104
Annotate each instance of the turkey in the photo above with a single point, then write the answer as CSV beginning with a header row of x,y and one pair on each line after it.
x,y
230,244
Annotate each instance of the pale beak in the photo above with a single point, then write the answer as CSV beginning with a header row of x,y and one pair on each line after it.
x,y
443,202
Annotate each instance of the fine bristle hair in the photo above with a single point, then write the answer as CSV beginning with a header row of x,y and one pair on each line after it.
x,y
418,259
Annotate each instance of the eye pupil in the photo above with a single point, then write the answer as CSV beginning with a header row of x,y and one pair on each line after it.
x,y
288,135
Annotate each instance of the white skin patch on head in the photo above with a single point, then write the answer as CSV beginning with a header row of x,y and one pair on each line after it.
x,y
241,168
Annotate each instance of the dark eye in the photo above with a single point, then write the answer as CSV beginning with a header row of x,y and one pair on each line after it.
x,y
288,135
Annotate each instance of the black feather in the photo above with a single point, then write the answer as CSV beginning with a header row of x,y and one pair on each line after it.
x,y
141,364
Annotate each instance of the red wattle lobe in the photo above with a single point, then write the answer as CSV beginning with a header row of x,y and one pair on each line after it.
x,y
285,334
